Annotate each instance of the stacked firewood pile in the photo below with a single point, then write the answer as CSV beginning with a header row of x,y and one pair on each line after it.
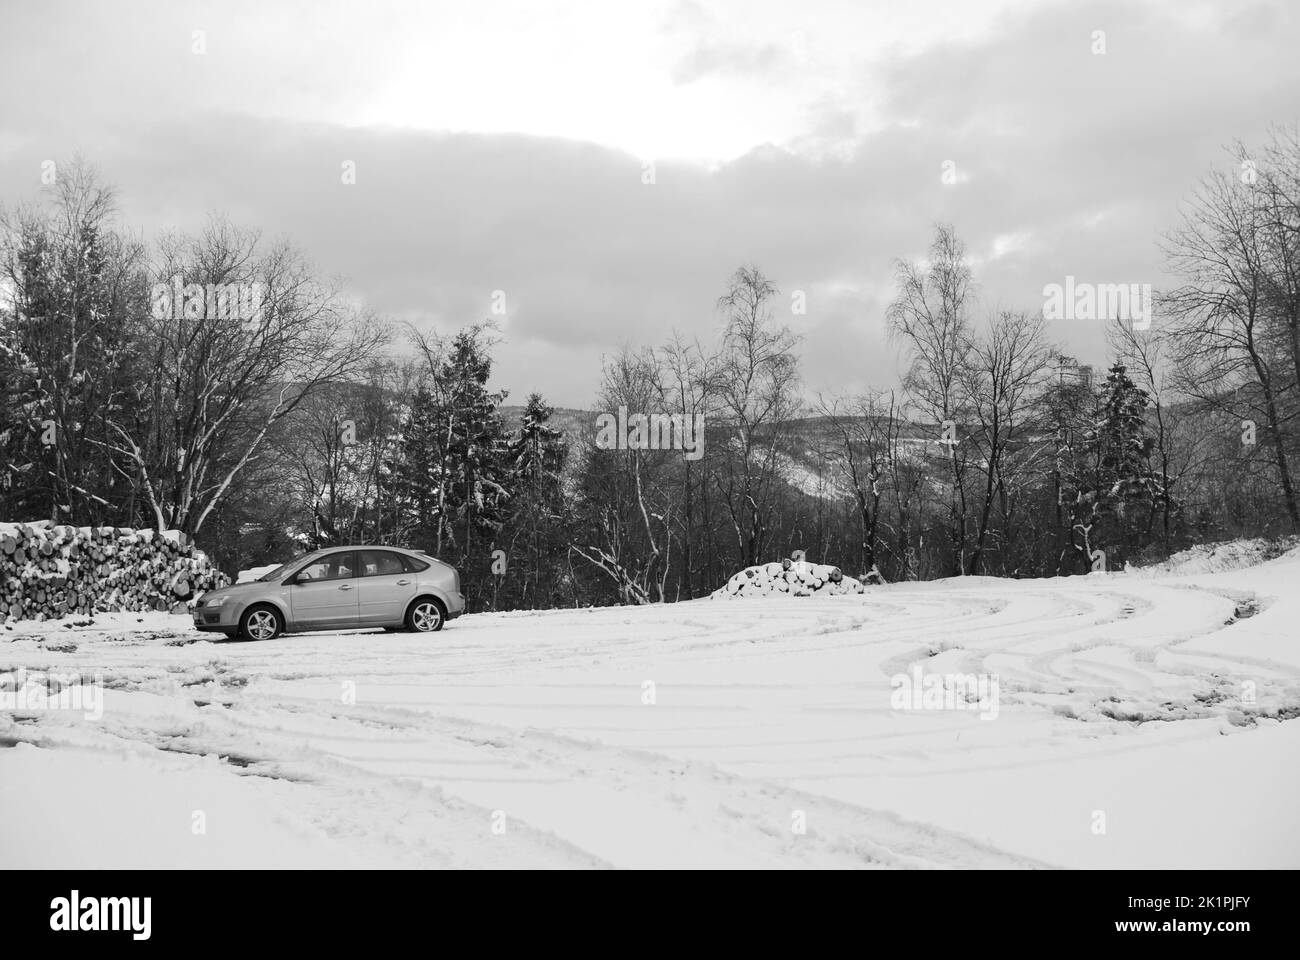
x,y
794,578
48,570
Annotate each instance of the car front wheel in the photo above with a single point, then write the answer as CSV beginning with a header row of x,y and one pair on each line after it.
x,y
260,623
425,616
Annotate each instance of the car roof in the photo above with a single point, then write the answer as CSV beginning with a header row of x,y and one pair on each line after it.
x,y
326,551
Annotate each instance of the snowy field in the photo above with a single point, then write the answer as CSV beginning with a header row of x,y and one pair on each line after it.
x,y
1136,726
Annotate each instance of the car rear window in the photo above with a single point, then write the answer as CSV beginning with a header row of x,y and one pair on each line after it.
x,y
380,563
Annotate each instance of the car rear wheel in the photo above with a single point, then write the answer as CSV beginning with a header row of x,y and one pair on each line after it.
x,y
426,615
260,623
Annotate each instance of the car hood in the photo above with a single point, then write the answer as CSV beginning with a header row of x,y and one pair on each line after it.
x,y
241,588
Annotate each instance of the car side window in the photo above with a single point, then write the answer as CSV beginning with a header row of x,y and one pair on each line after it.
x,y
412,565
337,566
343,566
313,571
379,563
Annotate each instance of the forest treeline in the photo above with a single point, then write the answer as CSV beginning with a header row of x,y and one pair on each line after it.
x,y
138,389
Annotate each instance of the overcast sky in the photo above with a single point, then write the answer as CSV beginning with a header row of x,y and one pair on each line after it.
x,y
504,145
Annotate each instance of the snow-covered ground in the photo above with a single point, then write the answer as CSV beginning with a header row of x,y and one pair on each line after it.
x,y
1133,728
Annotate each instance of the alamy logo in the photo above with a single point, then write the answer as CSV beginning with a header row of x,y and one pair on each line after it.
x,y
74,913
1098,301
945,691
177,300
655,431
28,690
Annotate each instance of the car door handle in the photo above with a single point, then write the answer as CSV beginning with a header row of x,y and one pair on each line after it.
x,y
345,586
403,583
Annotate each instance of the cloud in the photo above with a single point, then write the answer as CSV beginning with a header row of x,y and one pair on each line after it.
x,y
1067,163
709,58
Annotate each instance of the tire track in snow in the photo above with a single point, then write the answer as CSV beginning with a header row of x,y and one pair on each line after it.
x,y
454,734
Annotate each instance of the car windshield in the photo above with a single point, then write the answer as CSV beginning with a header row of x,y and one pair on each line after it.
x,y
284,568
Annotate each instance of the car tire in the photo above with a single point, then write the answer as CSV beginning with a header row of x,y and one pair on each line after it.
x,y
426,615
261,622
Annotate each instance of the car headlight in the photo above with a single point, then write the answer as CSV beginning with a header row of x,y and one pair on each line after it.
x,y
216,601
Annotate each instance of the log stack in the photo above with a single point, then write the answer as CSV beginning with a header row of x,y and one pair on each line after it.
x,y
50,570
793,578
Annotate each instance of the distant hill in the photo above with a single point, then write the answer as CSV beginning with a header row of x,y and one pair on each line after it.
x,y
799,470
802,463
567,420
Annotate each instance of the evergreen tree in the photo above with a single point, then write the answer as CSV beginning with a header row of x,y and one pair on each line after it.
x,y
538,524
71,288
414,477
1070,405
451,476
1115,492
475,457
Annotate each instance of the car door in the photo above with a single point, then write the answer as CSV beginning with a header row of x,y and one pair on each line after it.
x,y
324,593
386,587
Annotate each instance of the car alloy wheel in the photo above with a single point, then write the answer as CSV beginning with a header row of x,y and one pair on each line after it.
x,y
261,624
426,616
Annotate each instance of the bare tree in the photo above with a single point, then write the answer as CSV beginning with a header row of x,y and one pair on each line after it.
x,y
866,433
1006,369
338,443
758,379
630,502
1145,355
689,383
1232,321
930,313
217,382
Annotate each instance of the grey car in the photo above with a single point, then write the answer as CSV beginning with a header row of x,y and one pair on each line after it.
x,y
336,589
